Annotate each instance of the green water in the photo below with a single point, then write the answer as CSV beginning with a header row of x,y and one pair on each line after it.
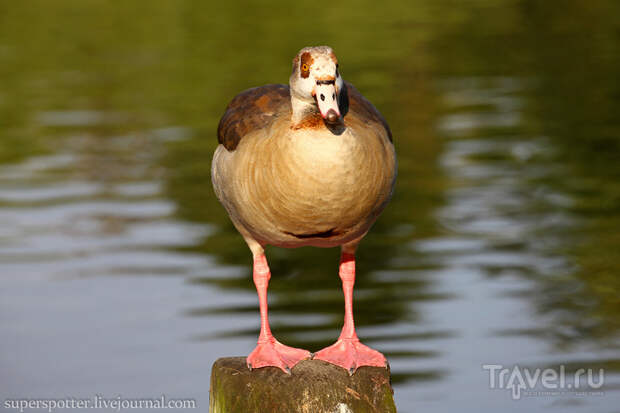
x,y
121,273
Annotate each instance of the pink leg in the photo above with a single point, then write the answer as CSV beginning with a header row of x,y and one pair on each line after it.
x,y
269,351
348,352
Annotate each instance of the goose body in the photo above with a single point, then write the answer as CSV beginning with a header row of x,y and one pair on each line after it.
x,y
292,187
312,164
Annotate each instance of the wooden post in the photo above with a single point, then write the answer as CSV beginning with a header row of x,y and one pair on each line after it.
x,y
312,387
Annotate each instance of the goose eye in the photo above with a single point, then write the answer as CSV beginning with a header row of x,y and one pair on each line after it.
x,y
306,62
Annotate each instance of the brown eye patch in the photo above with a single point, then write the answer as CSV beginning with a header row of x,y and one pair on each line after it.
x,y
306,62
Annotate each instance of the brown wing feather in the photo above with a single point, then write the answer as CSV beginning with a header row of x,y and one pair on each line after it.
x,y
252,109
353,103
258,107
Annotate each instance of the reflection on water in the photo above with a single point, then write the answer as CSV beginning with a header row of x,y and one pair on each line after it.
x,y
121,274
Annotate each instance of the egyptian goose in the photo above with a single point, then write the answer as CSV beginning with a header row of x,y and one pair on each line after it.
x,y
311,163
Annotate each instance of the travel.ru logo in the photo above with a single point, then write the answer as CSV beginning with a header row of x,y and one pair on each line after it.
x,y
525,381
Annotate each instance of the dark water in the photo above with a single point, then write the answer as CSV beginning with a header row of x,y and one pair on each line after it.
x,y
121,274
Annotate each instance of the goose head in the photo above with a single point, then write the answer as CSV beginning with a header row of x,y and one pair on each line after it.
x,y
316,82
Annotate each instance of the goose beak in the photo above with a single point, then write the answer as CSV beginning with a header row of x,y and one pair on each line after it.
x,y
326,98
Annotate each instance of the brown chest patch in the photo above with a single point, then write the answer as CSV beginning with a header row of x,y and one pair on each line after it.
x,y
311,121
